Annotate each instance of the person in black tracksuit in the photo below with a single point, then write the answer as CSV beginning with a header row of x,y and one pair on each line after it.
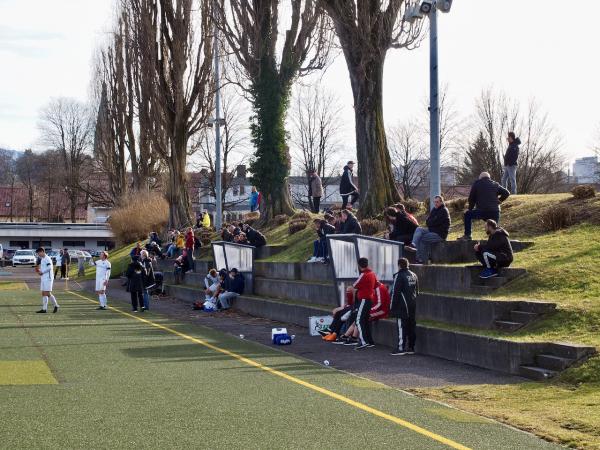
x,y
347,187
135,276
484,202
350,224
496,253
405,291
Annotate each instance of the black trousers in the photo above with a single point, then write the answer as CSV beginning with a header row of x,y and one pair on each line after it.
x,y
353,198
405,238
64,269
407,332
336,324
316,204
362,322
492,260
137,298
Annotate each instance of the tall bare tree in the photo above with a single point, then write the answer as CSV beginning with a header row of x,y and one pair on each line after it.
x,y
9,177
66,125
366,30
268,69
410,158
28,172
315,119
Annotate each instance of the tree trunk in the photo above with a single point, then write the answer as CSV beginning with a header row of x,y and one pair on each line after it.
x,y
177,194
271,165
375,177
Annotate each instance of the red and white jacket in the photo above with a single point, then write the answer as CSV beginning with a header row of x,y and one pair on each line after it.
x,y
365,285
381,302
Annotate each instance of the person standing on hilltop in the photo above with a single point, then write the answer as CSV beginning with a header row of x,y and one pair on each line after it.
x,y
510,163
254,199
347,187
315,190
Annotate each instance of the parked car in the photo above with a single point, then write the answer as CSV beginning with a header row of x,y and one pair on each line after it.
x,y
53,254
9,253
24,258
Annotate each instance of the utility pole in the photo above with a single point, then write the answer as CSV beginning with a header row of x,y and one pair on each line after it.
x,y
435,187
218,119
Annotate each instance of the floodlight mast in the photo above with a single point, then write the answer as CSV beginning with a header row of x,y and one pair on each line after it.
x,y
218,121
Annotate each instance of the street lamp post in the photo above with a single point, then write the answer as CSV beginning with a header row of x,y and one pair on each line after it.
x,y
435,187
217,122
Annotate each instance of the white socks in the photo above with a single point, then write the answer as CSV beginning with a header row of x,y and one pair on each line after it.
x,y
102,299
45,302
53,298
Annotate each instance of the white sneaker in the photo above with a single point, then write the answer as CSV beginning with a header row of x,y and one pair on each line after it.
x,y
312,260
321,260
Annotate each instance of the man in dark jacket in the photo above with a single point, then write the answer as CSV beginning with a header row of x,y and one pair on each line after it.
x,y
315,190
135,279
510,163
405,291
347,187
484,202
323,228
350,224
231,288
253,236
438,225
496,253
403,224
149,278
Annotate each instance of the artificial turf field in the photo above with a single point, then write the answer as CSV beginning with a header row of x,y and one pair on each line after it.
x,y
110,379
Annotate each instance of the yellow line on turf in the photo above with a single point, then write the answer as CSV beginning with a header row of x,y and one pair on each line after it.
x,y
293,379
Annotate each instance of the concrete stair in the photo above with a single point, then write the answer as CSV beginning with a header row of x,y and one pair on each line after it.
x,y
303,291
450,252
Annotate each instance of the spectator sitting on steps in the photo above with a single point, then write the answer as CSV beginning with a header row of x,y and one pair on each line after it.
x,y
496,253
231,287
241,238
211,283
403,224
253,236
323,228
438,225
484,202
350,224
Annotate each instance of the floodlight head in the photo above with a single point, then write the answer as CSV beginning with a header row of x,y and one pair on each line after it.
x,y
426,6
444,5
412,13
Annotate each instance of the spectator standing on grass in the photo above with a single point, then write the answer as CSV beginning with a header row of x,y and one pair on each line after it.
x,y
65,262
315,190
350,224
484,202
405,290
496,253
403,224
438,226
232,287
135,251
347,187
190,242
58,264
135,282
254,199
511,157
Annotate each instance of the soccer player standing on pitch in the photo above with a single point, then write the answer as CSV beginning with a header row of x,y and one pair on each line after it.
x,y
45,270
102,276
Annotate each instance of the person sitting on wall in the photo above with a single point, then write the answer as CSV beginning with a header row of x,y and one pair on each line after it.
x,y
351,225
403,224
180,267
241,238
438,226
231,287
342,316
226,235
211,283
496,252
323,228
253,236
484,202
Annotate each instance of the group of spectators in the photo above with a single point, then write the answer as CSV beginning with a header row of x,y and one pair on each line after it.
x,y
335,222
243,233
141,279
222,287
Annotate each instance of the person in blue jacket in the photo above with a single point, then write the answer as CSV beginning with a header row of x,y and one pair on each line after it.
x,y
254,199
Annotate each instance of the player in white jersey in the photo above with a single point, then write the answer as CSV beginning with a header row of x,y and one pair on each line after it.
x,y
102,276
46,272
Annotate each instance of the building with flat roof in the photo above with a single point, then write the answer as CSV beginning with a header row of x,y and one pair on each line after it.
x,y
76,236
587,170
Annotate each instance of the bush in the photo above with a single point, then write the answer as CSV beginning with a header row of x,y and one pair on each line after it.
x,y
412,206
556,218
371,227
583,191
427,204
138,215
252,217
281,219
303,215
297,225
458,204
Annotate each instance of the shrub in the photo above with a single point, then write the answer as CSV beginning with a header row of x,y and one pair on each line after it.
x,y
412,206
427,204
458,204
304,215
371,227
281,219
583,191
556,217
138,215
297,225
252,217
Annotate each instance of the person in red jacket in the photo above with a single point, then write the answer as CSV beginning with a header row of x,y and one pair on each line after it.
x,y
190,242
365,287
381,303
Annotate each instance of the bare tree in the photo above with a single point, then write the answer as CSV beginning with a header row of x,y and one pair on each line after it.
x,y
315,119
540,157
269,67
366,30
234,147
66,125
410,159
9,176
28,172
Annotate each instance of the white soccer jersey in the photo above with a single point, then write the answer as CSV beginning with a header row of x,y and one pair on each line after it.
x,y
47,269
102,273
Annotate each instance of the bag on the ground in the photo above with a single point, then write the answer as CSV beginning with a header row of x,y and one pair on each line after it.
x,y
282,339
197,305
209,307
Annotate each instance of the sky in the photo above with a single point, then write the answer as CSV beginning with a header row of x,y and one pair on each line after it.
x,y
538,49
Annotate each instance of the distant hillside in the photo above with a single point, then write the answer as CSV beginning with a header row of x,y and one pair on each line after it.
x,y
14,153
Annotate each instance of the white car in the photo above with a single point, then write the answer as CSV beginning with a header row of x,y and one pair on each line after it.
x,y
24,258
